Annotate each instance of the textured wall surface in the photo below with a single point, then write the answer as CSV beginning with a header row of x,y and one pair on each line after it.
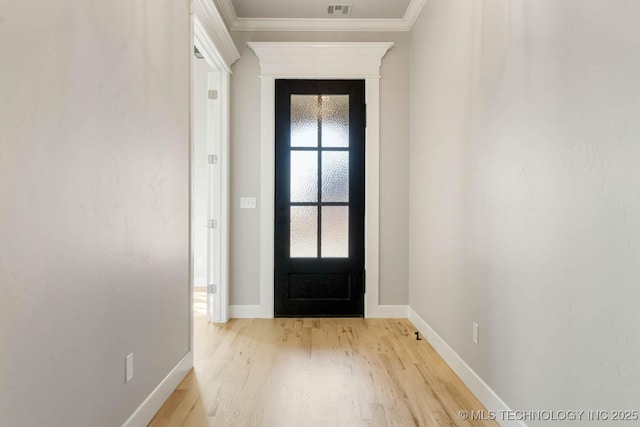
x,y
94,198
394,158
525,203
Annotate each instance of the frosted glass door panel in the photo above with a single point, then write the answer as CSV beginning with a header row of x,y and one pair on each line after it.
x,y
335,176
335,232
304,176
335,120
319,175
304,120
304,232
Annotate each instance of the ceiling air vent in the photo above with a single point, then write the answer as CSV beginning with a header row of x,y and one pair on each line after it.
x,y
339,9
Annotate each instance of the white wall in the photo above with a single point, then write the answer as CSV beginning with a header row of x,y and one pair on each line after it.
x,y
94,136
525,205
200,170
394,153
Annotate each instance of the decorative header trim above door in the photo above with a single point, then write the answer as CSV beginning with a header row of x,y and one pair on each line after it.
x,y
320,60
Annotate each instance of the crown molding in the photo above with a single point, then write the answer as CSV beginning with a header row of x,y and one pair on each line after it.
x,y
228,11
320,24
210,22
309,24
412,13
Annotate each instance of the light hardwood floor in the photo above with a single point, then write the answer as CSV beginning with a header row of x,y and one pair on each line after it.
x,y
316,372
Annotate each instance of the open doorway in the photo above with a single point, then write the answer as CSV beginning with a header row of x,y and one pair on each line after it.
x,y
210,165
205,188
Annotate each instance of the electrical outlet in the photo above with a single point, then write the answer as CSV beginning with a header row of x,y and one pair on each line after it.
x,y
128,368
476,333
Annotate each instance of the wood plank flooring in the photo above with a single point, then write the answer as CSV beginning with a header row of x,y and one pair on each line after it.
x,y
316,372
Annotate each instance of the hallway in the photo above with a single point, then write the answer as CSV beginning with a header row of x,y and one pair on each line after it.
x,y
501,201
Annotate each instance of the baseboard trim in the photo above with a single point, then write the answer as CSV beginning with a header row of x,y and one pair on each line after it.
x,y
258,312
148,409
246,312
388,312
478,387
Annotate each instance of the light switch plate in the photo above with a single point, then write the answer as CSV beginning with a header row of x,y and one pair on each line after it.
x,y
247,202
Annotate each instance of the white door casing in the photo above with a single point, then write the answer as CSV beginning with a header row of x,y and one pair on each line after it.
x,y
321,60
212,39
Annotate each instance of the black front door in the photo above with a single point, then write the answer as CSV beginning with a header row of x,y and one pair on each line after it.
x,y
319,200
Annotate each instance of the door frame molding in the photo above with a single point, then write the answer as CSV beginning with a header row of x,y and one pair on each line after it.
x,y
209,34
320,60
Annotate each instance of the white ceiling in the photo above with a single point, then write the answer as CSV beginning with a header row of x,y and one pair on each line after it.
x,y
311,15
360,9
